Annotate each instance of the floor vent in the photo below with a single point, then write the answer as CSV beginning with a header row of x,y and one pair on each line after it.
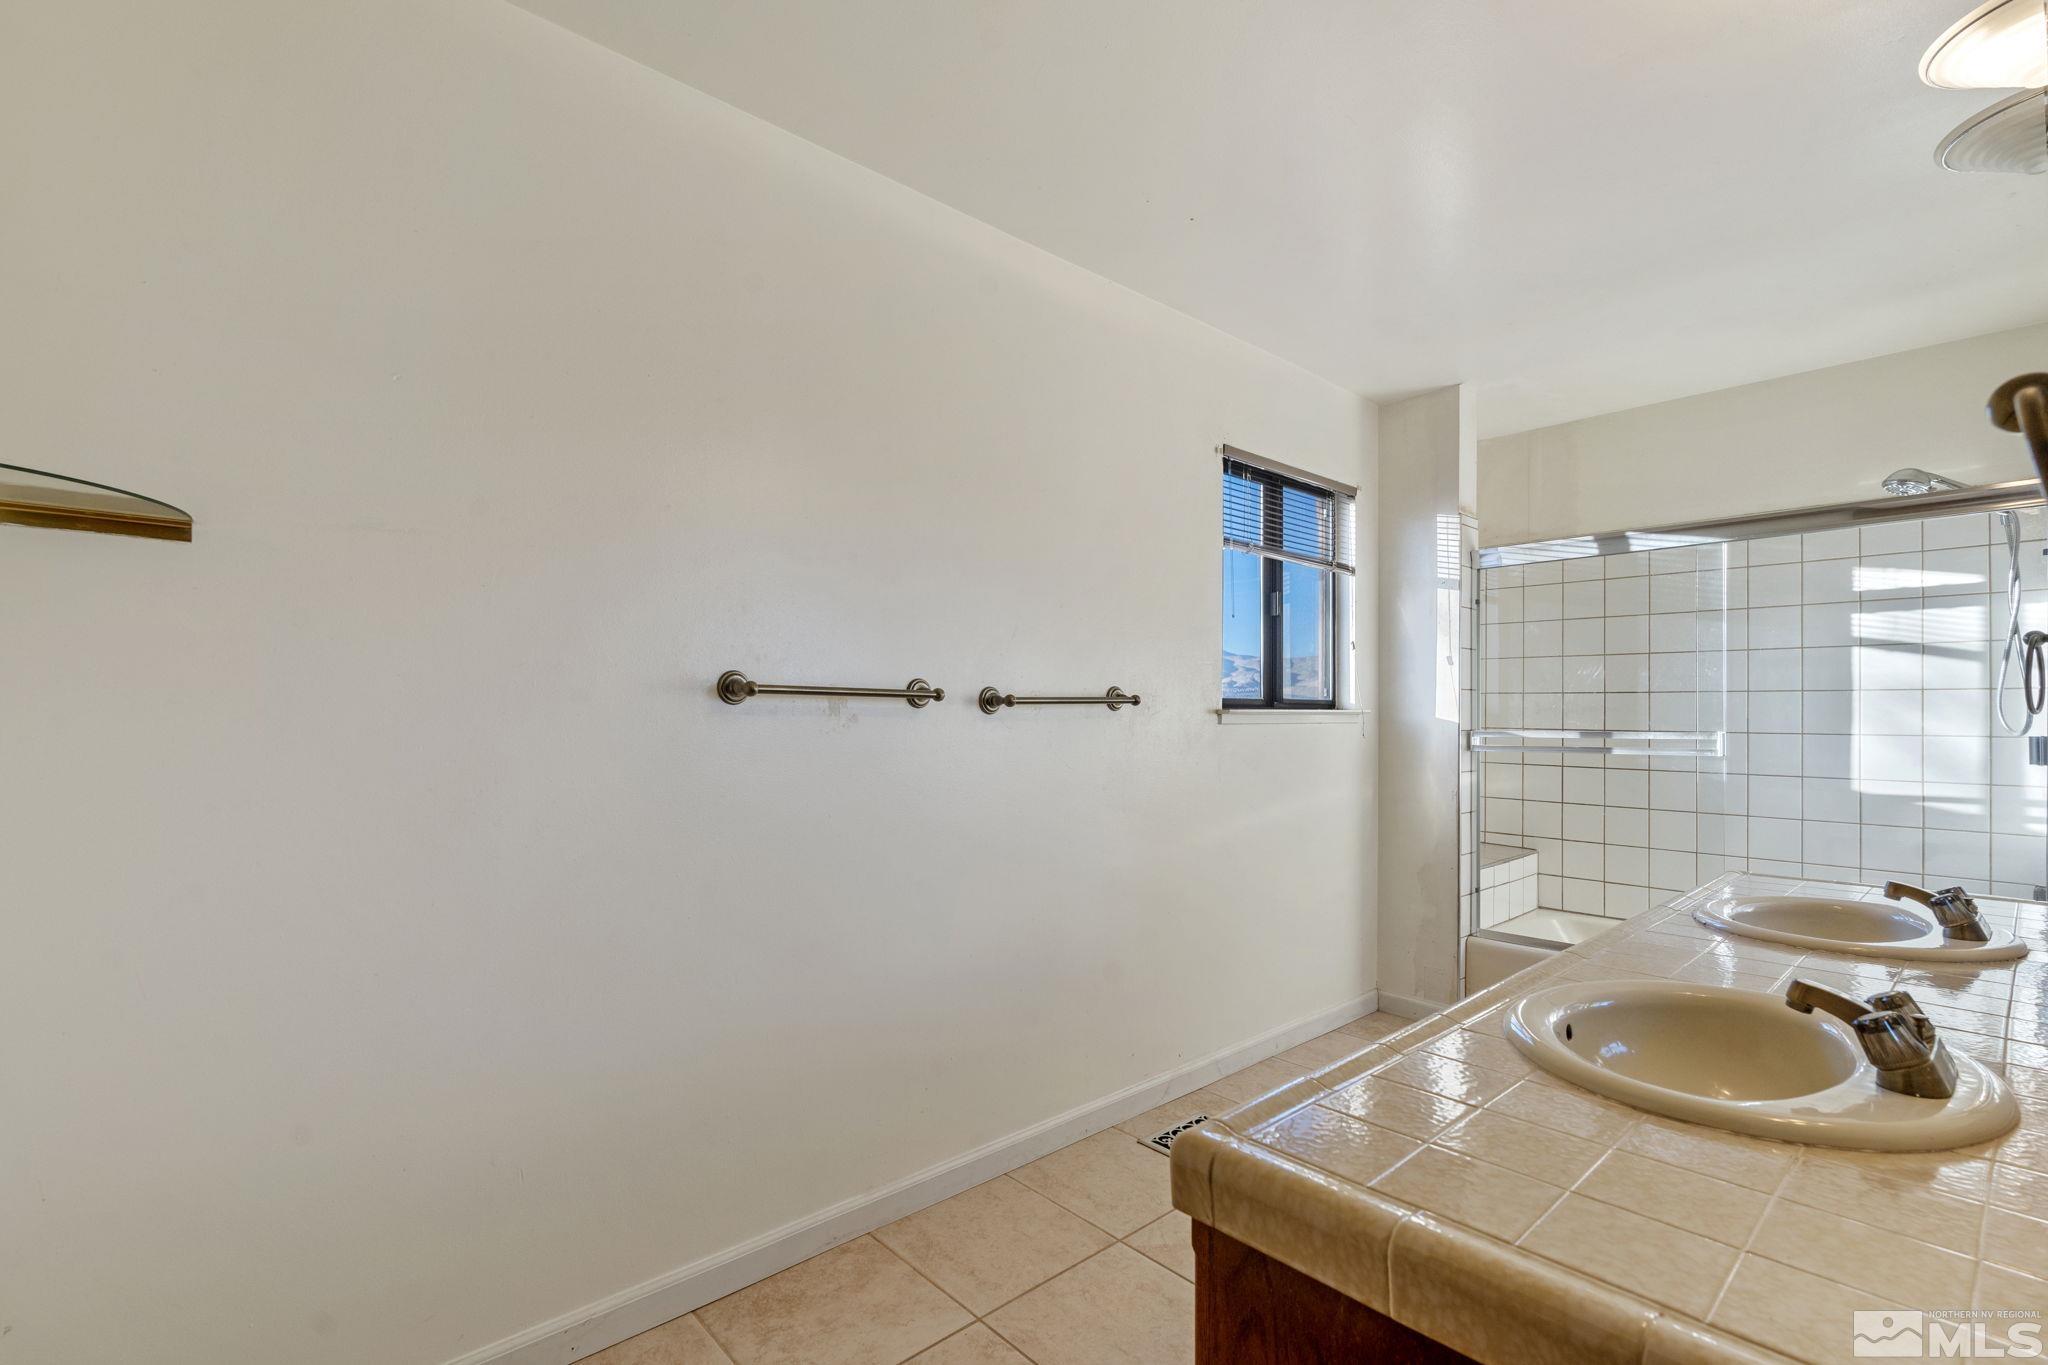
x,y
1163,1142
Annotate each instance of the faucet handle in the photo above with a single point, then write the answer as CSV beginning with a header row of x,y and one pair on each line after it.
x,y
1896,1036
1890,1040
1908,1060
1906,1005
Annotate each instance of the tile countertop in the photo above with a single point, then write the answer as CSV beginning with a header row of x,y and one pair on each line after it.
x,y
1439,1178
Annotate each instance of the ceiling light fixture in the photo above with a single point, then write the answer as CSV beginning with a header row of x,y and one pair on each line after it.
x,y
2000,45
2012,135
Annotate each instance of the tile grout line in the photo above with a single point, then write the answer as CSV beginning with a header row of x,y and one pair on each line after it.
x,y
998,1332
1054,1276
1770,1203
972,1317
1076,1212
1126,1241
707,1329
1113,1238
1040,1285
950,1336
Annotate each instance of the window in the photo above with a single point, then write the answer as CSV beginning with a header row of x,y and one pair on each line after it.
x,y
1288,558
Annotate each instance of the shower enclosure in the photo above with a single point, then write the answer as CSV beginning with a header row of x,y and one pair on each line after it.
x,y
1811,694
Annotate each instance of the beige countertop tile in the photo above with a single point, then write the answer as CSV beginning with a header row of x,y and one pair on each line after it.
x,y
1568,1111
1541,1153
1802,1315
1454,1080
1435,1175
1671,1194
1840,1186
1681,1341
1663,1264
1725,1156
2016,1242
1533,1313
1998,1287
1480,1049
1839,1249
1492,1199
1337,1142
2020,1189
1417,1113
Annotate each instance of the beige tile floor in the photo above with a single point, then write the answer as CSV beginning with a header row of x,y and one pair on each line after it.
x,y
1076,1259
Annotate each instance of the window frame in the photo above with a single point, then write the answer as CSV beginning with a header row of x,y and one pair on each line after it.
x,y
1272,578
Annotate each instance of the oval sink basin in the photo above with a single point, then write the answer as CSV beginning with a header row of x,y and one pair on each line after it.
x,y
1746,1062
1868,928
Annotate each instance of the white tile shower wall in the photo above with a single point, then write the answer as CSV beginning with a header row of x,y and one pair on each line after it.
x,y
1641,643
1507,883
1859,669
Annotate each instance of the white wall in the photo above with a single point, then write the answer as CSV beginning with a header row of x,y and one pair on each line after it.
x,y
403,945
1825,436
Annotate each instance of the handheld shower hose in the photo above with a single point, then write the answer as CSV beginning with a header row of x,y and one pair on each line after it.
x,y
1908,483
2033,676
2033,669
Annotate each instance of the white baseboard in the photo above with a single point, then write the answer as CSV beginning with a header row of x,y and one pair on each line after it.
x,y
588,1330
1409,1006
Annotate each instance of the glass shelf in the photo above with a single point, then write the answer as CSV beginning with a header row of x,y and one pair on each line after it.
x,y
35,497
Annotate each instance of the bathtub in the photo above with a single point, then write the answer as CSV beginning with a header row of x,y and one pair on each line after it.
x,y
1499,951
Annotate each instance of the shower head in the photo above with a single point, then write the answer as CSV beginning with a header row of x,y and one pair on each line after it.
x,y
1912,483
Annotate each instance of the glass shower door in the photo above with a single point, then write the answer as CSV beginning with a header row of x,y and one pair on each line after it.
x,y
1604,735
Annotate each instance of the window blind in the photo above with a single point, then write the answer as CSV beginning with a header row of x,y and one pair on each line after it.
x,y
1270,514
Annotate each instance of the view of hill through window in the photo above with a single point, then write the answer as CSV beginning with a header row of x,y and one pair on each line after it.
x,y
1304,595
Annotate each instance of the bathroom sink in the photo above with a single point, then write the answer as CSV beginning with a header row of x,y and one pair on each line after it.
x,y
1866,928
1746,1062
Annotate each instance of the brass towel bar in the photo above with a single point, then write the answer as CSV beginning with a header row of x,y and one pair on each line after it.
x,y
993,701
735,687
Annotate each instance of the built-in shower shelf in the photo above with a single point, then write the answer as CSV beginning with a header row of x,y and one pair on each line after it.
x,y
1632,743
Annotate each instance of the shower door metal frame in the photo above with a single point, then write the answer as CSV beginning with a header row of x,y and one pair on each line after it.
x,y
1996,497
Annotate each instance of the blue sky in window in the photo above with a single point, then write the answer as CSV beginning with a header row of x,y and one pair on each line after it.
x,y
1304,529
1243,626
